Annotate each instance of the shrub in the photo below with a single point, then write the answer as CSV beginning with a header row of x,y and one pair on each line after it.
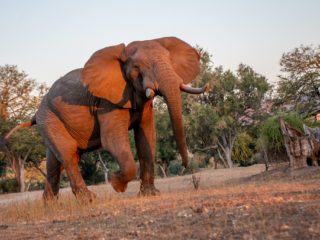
x,y
64,180
175,167
192,167
248,163
35,185
9,185
243,148
271,131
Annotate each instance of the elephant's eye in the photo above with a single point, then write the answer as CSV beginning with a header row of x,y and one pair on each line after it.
x,y
134,72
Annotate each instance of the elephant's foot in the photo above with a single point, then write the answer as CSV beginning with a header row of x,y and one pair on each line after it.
x,y
48,195
85,196
117,184
149,190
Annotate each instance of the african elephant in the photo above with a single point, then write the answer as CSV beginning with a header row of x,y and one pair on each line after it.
x,y
95,106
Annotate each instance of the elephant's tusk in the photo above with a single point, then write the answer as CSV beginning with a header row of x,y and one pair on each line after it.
x,y
193,90
149,93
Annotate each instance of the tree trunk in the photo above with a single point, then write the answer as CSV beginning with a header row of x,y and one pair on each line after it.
x,y
22,186
228,153
226,144
106,177
286,139
163,171
222,159
17,165
265,154
105,169
28,186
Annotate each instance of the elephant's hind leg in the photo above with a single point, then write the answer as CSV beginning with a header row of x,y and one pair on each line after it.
x,y
65,149
54,169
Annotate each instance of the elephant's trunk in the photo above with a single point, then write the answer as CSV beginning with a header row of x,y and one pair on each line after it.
x,y
171,92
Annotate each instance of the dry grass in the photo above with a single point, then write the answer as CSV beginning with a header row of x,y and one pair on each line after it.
x,y
286,207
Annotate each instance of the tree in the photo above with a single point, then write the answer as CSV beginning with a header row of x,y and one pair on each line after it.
x,y
232,103
201,129
299,84
19,95
19,98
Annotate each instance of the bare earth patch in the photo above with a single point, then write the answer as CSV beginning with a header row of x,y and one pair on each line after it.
x,y
240,203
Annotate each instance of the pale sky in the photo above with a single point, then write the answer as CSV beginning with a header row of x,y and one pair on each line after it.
x,y
47,39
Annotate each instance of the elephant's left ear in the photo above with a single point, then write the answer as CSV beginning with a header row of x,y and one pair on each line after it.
x,y
103,76
184,58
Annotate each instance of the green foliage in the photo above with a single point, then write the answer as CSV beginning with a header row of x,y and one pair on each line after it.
x,y
299,84
19,94
201,126
193,167
271,131
35,185
64,180
312,124
89,170
27,138
248,163
3,166
22,141
132,145
19,99
175,168
166,144
8,186
243,148
232,104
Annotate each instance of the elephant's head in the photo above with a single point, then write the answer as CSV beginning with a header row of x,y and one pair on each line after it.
x,y
161,66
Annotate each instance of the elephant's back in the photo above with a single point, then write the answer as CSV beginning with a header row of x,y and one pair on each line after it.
x,y
70,89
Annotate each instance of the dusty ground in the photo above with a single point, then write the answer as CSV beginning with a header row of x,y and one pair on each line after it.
x,y
240,203
209,178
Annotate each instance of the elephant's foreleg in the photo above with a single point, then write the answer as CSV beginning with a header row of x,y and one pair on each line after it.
x,y
115,139
145,137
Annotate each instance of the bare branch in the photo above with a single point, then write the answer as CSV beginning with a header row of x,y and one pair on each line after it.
x,y
27,155
40,170
206,148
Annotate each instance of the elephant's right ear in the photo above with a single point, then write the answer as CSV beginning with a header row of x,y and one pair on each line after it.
x,y
103,76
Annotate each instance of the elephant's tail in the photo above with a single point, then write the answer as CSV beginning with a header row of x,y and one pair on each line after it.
x,y
4,140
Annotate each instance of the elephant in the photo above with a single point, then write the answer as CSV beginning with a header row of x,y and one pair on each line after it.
x,y
95,106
